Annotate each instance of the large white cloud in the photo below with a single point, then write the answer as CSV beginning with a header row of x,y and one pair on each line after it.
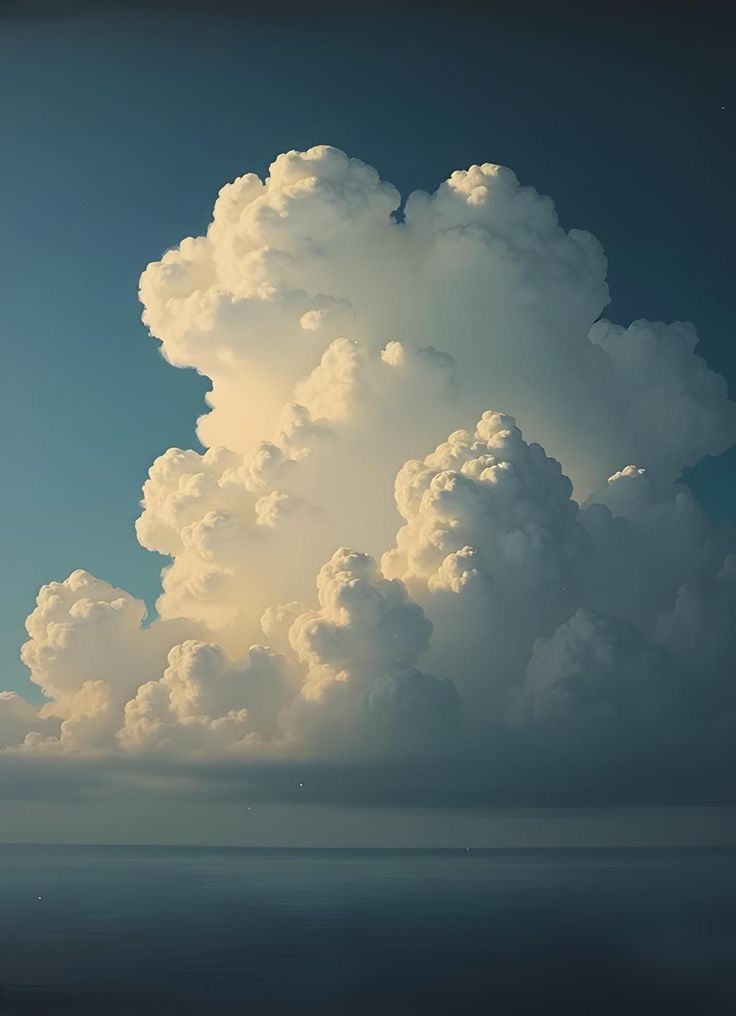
x,y
543,575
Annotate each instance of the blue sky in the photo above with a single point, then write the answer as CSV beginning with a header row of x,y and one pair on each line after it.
x,y
121,125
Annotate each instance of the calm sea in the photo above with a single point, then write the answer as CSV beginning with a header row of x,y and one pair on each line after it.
x,y
196,931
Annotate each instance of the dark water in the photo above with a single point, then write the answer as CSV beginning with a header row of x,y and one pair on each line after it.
x,y
143,931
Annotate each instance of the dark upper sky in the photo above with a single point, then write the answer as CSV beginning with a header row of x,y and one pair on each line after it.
x,y
120,123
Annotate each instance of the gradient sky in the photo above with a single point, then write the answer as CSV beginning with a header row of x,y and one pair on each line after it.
x,y
120,124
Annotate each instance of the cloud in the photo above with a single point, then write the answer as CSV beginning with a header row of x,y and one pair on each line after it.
x,y
593,672
89,651
699,628
437,389
491,493
206,704
17,718
362,688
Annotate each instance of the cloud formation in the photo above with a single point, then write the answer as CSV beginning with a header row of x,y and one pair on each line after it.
x,y
438,514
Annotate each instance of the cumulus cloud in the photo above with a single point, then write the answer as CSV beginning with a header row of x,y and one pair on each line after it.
x,y
699,628
362,690
491,493
18,719
594,671
204,702
437,389
89,651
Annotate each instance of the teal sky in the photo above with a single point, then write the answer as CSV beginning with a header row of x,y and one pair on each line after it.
x,y
121,123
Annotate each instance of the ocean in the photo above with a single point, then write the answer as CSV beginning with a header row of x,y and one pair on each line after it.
x,y
128,930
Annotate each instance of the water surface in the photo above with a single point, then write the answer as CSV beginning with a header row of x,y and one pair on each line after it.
x,y
403,933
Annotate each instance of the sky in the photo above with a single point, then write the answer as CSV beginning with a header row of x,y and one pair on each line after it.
x,y
122,122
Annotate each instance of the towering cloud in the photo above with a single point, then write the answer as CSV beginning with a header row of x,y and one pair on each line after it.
x,y
432,389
